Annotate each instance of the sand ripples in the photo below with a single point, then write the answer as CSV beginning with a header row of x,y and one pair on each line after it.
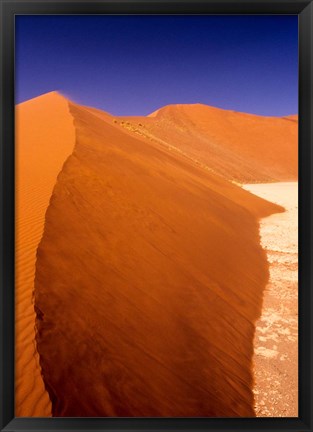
x,y
44,139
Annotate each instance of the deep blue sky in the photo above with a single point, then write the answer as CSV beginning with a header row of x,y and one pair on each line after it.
x,y
136,64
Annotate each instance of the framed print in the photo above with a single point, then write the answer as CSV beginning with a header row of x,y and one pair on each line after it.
x,y
156,207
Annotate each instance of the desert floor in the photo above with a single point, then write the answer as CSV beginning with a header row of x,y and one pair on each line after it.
x,y
276,339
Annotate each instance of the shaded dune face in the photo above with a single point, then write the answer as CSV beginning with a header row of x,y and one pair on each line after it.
x,y
149,279
241,147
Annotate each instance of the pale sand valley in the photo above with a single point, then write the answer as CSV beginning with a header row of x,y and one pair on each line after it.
x,y
149,281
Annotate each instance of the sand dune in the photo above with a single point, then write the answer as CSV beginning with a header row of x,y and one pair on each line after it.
x,y
241,147
150,273
149,278
293,117
44,139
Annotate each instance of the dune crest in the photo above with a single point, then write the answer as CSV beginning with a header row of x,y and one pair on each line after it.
x,y
45,137
141,276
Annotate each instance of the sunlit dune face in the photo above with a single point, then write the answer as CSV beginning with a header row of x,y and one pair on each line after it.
x,y
44,139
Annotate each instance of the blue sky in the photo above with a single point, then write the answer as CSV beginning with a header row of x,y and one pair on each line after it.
x,y
133,65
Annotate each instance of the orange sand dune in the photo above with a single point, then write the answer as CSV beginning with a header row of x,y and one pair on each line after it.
x,y
44,139
293,117
149,277
242,147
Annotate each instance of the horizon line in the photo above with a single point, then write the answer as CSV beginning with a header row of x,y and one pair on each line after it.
x,y
151,114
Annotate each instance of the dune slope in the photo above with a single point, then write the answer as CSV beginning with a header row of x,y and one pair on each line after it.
x,y
45,137
241,147
149,279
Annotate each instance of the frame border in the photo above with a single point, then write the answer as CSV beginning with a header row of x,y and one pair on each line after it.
x,y
8,10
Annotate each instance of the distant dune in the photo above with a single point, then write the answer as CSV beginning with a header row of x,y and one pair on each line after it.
x,y
241,147
149,278
293,117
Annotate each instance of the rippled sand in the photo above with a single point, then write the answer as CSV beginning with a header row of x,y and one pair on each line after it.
x,y
276,339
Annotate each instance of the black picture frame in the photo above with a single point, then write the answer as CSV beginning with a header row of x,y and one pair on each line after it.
x,y
304,10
